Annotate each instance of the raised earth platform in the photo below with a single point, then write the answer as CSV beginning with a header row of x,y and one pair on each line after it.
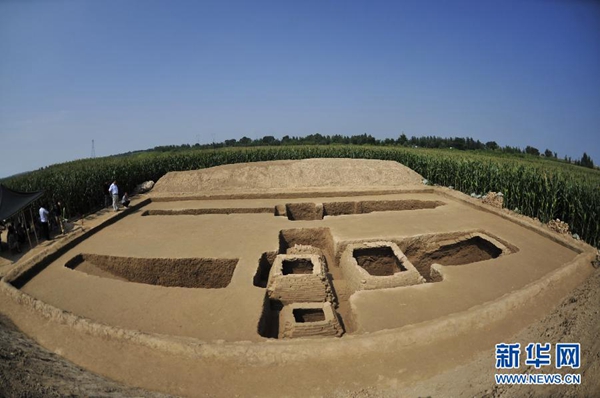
x,y
359,276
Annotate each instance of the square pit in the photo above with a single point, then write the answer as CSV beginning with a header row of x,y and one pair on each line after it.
x,y
298,278
309,320
377,265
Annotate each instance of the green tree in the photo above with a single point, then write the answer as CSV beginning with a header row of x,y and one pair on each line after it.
x,y
586,161
402,140
491,145
532,151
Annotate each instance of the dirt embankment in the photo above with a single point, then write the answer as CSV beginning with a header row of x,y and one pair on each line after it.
x,y
290,175
28,370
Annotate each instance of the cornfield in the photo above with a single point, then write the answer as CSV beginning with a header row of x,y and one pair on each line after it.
x,y
543,189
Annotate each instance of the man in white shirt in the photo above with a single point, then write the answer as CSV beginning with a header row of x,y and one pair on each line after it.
x,y
44,214
114,191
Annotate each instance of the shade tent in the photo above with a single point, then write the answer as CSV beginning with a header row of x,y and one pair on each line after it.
x,y
12,202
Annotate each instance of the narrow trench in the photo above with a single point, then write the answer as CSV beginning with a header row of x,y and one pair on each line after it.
x,y
342,294
199,273
307,211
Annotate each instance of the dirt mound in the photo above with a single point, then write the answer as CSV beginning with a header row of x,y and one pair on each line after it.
x,y
494,199
290,175
559,226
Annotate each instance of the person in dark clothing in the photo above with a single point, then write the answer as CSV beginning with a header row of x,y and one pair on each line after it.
x,y
107,198
21,233
57,212
2,228
13,241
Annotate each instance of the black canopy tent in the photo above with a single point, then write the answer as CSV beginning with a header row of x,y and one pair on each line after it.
x,y
12,202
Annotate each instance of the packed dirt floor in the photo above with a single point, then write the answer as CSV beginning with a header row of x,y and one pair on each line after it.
x,y
209,292
243,238
29,370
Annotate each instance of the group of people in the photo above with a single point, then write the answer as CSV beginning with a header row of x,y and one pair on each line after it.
x,y
54,217
112,192
17,230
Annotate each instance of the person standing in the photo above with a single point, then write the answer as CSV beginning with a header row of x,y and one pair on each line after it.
x,y
114,191
44,218
2,228
13,240
106,194
58,211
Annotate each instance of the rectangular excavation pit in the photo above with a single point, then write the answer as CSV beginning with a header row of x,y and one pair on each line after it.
x,y
452,249
370,206
309,320
316,211
378,261
205,211
299,277
296,320
319,238
466,251
304,211
302,315
297,266
377,265
206,273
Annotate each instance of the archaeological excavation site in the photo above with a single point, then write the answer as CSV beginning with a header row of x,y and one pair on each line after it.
x,y
274,278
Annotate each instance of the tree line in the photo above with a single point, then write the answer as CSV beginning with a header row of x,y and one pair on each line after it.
x,y
458,143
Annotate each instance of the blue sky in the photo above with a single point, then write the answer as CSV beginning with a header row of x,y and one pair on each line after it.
x,y
136,74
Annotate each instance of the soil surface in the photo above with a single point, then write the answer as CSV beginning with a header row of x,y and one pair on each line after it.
x,y
575,319
134,245
28,370
358,366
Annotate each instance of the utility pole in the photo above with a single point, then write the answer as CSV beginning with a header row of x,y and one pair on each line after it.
x,y
93,150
